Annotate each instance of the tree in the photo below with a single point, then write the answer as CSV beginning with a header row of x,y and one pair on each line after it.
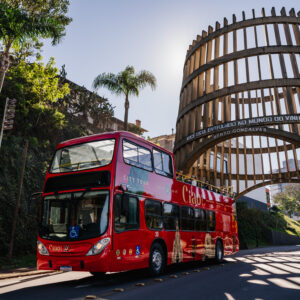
x,y
125,83
289,199
37,88
19,27
85,111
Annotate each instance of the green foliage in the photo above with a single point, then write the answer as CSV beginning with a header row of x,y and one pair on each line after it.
x,y
255,225
135,129
125,83
22,261
45,114
11,159
51,8
54,9
289,199
17,25
37,88
24,23
80,107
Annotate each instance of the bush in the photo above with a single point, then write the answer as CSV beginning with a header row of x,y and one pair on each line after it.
x,y
255,225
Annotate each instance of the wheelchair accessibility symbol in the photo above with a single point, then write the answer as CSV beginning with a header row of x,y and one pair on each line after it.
x,y
74,232
138,250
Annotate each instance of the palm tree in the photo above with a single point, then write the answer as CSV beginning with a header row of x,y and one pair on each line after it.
x,y
125,83
17,26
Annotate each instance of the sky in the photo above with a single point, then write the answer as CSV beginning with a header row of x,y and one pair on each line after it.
x,y
153,35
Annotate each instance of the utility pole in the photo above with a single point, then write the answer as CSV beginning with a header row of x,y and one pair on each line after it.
x,y
8,116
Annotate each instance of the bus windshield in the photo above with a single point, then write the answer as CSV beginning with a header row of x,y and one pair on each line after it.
x,y
83,156
75,216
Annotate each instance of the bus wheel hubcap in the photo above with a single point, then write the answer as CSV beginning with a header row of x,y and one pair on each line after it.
x,y
156,260
219,253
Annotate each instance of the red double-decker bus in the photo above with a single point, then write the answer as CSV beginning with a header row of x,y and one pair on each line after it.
x,y
112,202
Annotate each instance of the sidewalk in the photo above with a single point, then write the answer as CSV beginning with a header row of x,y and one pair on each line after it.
x,y
19,272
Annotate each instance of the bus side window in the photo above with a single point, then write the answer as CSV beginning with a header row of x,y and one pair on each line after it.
x,y
137,155
153,214
171,216
187,218
200,219
211,220
162,163
126,213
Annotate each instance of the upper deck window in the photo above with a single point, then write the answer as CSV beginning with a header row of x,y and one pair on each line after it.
x,y
137,156
162,163
83,156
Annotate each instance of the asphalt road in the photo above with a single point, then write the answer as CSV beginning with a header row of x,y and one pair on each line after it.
x,y
265,273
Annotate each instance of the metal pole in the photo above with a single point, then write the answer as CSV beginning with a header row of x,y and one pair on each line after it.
x,y
4,115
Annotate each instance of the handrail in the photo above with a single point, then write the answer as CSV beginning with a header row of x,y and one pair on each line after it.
x,y
228,190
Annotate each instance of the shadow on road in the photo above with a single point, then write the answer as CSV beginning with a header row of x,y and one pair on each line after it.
x,y
249,275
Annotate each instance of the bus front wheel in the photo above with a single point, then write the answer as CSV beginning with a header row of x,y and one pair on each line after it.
x,y
157,259
219,252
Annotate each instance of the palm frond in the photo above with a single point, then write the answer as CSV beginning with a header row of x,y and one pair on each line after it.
x,y
145,78
109,81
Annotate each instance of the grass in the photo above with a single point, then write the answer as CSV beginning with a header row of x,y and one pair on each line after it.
x,y
255,226
24,261
292,227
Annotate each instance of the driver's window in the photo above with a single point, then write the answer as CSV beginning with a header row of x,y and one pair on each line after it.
x,y
126,213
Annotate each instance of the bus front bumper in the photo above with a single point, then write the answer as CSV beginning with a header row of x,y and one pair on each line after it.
x,y
93,263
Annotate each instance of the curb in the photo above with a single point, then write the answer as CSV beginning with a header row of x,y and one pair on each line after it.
x,y
21,274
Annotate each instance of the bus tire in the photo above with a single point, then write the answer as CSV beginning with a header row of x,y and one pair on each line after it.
x,y
157,259
98,275
219,252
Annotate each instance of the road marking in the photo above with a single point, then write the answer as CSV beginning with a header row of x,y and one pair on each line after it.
x,y
140,284
82,286
119,290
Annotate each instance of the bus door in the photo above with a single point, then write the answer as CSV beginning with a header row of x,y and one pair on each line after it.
x,y
128,252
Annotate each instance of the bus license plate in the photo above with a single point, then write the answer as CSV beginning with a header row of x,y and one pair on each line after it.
x,y
65,268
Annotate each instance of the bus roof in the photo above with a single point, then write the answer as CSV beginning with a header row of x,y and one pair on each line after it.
x,y
108,135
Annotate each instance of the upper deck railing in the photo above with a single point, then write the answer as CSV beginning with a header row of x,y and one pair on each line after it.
x,y
228,190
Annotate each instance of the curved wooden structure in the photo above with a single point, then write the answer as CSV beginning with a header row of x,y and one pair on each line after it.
x,y
239,114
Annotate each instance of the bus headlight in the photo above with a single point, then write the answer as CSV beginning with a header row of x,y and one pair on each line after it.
x,y
98,247
42,249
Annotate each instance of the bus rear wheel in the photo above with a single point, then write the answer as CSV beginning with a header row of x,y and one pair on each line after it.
x,y
157,259
219,254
